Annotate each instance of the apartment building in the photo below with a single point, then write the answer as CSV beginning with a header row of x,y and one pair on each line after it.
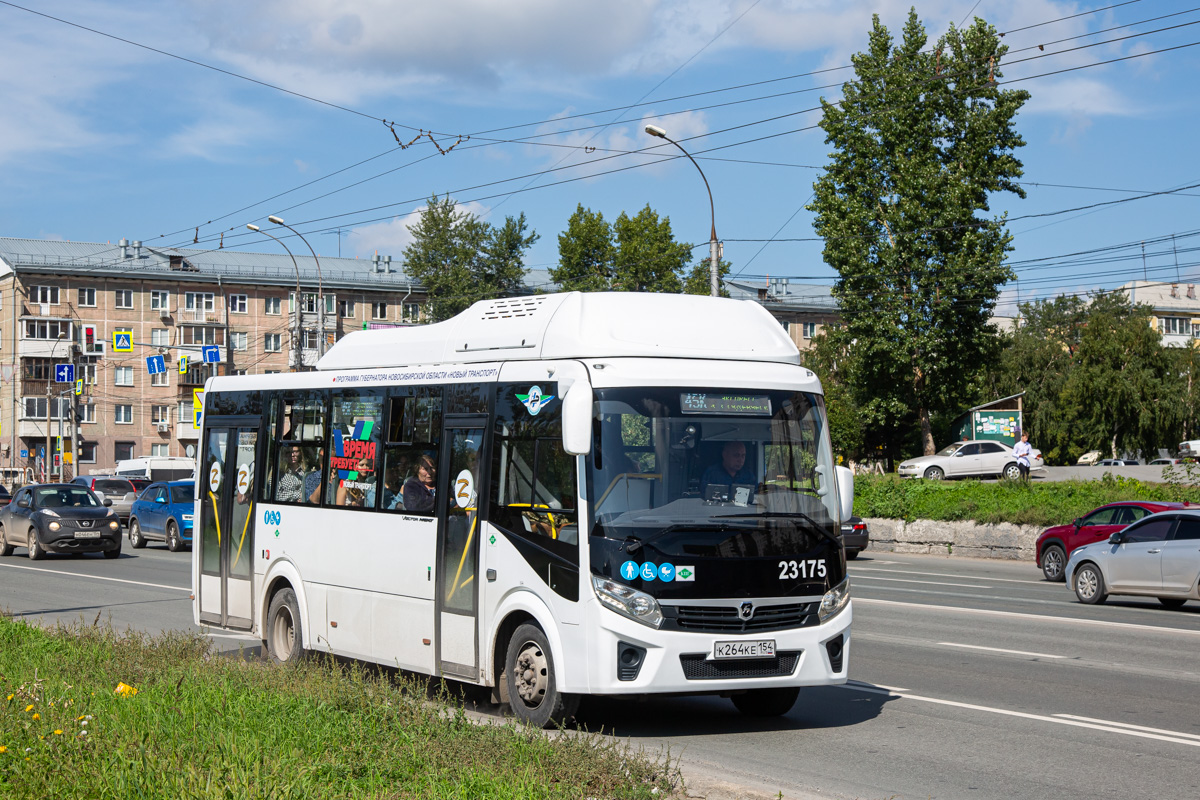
x,y
804,310
61,303
1176,307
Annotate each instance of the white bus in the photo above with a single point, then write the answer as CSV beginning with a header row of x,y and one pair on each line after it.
x,y
552,496
157,468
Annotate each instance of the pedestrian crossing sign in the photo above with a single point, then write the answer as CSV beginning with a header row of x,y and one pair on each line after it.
x,y
122,342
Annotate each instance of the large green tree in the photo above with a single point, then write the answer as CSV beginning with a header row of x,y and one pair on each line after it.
x,y
585,253
921,139
648,259
460,259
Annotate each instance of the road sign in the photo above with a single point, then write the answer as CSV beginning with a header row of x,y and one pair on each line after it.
x,y
212,354
122,342
197,407
79,386
64,373
183,365
24,454
156,365
41,451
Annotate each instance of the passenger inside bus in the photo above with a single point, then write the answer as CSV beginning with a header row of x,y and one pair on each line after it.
x,y
312,479
292,469
418,490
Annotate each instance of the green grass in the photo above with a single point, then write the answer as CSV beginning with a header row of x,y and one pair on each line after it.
x,y
203,726
1033,503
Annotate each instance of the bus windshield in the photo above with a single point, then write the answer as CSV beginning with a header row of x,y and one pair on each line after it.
x,y
694,465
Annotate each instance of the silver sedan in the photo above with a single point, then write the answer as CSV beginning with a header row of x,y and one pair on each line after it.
x,y
1157,556
963,459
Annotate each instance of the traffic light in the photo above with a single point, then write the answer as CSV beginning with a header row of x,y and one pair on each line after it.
x,y
89,338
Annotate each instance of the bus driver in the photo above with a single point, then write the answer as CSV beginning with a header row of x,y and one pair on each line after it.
x,y
732,471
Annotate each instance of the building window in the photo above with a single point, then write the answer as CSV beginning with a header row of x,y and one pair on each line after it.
x,y
378,310
37,369
312,340
271,342
160,450
411,312
270,372
160,301
35,407
198,301
160,379
194,334
87,298
87,373
160,414
123,298
239,340
239,372
123,451
347,309
1174,326
43,294
237,303
810,330
160,337
123,376
272,305
87,453
123,413
87,412
47,329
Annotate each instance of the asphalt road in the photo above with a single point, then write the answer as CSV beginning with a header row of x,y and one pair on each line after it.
x,y
971,678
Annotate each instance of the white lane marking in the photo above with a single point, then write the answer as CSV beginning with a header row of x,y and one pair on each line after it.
x,y
1099,725
99,577
923,583
1131,727
1020,615
999,650
876,686
951,575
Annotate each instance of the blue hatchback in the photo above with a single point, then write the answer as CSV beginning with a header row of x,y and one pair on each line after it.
x,y
163,512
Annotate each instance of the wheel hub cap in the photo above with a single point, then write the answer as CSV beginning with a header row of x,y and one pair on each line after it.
x,y
531,673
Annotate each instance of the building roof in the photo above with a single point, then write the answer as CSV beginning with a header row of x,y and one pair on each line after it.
x,y
1164,295
187,264
780,293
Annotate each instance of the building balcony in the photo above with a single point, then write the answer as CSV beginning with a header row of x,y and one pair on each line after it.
x,y
184,431
36,428
59,349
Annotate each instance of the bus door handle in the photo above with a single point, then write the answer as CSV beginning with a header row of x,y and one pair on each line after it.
x,y
491,575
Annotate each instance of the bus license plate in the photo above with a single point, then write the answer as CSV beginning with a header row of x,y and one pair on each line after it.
x,y
87,534
762,648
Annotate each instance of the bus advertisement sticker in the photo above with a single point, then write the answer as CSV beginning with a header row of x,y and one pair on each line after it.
x,y
629,570
649,571
687,573
666,572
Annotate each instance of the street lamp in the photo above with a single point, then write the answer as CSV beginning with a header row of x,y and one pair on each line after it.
x,y
714,274
295,354
320,289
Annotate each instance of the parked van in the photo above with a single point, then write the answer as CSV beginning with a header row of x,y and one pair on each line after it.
x,y
1189,449
158,468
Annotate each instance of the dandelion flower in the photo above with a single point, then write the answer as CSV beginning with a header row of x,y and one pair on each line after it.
x,y
84,722
125,690
57,732
79,717
37,716
83,733
29,708
3,749
10,697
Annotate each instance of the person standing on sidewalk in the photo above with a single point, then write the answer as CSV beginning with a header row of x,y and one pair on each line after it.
x,y
1023,450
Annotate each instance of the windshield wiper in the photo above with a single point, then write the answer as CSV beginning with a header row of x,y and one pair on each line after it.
x,y
812,523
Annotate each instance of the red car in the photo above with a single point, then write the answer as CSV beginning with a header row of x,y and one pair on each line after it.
x,y
1055,544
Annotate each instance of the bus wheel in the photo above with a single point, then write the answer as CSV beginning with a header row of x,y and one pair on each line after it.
x,y
766,702
284,640
532,684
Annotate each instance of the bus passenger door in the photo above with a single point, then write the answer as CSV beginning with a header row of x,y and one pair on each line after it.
x,y
226,530
462,498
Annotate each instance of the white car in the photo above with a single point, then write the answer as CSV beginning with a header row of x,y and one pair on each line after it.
x,y
962,459
1157,556
1089,458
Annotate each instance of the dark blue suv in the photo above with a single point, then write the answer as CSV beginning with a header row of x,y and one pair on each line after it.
x,y
163,512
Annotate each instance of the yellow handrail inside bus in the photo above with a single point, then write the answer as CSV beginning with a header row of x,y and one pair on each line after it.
x,y
463,558
553,529
242,541
216,517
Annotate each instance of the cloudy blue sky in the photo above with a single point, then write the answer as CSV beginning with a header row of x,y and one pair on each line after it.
x,y
101,139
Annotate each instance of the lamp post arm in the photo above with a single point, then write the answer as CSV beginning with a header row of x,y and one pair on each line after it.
x,y
711,206
296,324
320,289
714,270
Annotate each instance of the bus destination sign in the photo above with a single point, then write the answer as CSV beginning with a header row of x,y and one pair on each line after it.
x,y
708,403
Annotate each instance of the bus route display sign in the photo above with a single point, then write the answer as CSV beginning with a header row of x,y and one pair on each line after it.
x,y
709,403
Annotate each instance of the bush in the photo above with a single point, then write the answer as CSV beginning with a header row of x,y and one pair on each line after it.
x,y
1040,504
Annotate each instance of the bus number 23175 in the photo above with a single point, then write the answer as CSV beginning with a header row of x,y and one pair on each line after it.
x,y
813,568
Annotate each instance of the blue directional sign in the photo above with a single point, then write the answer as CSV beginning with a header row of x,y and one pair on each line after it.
x,y
156,365
64,373
41,451
212,354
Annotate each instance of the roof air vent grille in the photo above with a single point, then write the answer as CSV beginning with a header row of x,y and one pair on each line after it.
x,y
510,307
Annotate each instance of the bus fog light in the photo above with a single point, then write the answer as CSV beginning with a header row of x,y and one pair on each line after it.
x,y
628,601
834,601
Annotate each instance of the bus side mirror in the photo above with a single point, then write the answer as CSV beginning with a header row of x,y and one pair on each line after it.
x,y
577,419
845,489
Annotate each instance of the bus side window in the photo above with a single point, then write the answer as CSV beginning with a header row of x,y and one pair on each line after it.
x,y
296,467
353,453
410,454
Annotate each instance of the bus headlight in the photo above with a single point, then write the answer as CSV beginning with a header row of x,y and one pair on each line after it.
x,y
834,601
628,601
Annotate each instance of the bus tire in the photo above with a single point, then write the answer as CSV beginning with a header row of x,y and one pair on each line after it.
x,y
532,681
766,702
285,640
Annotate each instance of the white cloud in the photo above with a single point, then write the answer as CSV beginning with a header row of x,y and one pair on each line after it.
x,y
389,238
219,133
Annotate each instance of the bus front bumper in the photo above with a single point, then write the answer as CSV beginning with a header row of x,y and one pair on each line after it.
x,y
631,658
